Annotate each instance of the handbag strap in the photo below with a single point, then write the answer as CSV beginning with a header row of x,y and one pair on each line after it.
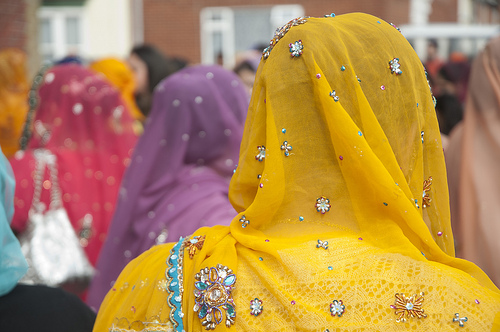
x,y
45,158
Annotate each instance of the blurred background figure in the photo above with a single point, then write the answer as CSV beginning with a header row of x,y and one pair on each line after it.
x,y
179,177
121,76
23,307
453,77
150,66
433,62
13,98
82,120
473,159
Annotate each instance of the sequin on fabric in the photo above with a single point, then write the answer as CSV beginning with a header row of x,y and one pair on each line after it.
x,y
175,284
212,293
261,154
323,205
256,307
460,320
337,308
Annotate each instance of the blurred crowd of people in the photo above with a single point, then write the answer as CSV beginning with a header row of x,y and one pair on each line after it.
x,y
140,151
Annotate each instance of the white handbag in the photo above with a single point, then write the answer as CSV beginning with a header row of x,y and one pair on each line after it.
x,y
50,244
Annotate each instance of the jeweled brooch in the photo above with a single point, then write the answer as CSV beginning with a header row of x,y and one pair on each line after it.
x,y
333,94
287,148
296,48
280,32
408,307
261,155
256,307
244,221
193,244
337,308
212,293
395,66
323,205
426,200
460,320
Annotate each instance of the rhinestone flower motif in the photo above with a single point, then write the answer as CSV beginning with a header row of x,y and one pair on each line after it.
x,y
244,221
193,244
261,155
212,293
337,308
394,65
287,148
256,307
322,244
408,307
323,205
296,48
426,200
460,320
280,32
333,94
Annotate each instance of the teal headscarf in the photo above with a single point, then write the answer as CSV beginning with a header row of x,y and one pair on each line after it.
x,y
13,265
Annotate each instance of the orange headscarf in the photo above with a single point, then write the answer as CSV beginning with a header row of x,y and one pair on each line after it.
x,y
13,98
120,75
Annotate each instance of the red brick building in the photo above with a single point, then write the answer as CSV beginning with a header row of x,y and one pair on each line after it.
x,y
175,25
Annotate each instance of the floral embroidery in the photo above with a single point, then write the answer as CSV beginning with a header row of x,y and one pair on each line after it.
x,y
460,320
193,244
323,205
162,285
337,308
296,48
280,32
408,307
333,94
395,66
212,293
322,244
244,221
426,200
261,155
256,307
287,148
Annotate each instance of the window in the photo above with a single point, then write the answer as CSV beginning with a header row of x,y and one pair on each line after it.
x,y
61,32
226,31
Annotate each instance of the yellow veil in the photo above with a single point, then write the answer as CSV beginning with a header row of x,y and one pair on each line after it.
x,y
342,197
13,98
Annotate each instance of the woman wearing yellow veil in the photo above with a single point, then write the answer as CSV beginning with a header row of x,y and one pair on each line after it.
x,y
121,76
341,190
13,98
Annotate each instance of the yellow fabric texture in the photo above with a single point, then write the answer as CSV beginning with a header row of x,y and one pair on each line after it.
x,y
120,75
13,98
365,154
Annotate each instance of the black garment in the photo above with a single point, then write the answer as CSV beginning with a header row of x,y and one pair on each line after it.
x,y
41,308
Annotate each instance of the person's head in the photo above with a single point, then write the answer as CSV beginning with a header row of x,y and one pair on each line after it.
x,y
150,66
246,72
77,106
449,112
341,109
432,49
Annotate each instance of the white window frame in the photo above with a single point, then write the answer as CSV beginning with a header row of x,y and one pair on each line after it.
x,y
57,16
280,15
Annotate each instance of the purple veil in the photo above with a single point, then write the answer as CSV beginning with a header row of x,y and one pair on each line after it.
x,y
179,175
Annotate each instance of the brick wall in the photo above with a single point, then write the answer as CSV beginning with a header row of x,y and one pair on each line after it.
x,y
174,25
12,24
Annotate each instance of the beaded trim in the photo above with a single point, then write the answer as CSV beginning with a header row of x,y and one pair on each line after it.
x,y
175,284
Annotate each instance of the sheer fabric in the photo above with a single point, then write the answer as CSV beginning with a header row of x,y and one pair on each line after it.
x,y
337,210
178,180
84,122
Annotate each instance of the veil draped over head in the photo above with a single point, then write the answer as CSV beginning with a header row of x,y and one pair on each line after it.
x,y
343,204
178,180
84,122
